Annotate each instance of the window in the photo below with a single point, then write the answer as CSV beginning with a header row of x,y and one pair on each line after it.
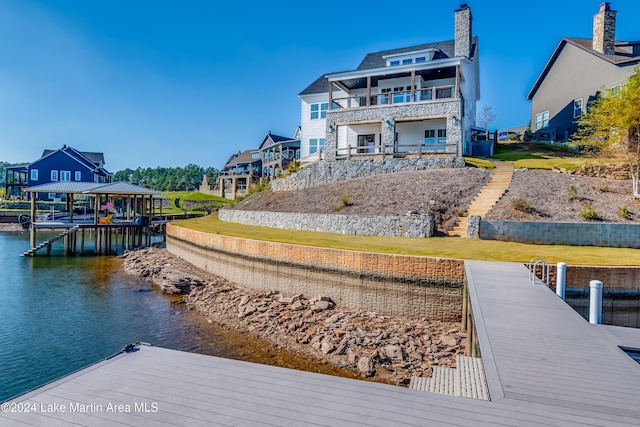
x,y
577,108
615,90
78,176
442,136
319,111
420,59
54,175
51,196
255,155
394,63
34,174
316,144
542,120
407,61
429,136
65,176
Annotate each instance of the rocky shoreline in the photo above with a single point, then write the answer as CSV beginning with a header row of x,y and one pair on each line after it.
x,y
381,348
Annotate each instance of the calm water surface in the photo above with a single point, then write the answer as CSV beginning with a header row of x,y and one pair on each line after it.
x,y
60,314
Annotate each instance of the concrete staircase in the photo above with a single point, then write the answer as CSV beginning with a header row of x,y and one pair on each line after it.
x,y
466,380
487,197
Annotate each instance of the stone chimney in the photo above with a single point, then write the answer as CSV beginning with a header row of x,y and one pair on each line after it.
x,y
463,32
604,29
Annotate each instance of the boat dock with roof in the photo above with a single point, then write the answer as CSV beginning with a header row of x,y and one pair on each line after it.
x,y
133,228
543,364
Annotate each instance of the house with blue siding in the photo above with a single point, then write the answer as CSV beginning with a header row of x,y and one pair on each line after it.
x,y
66,164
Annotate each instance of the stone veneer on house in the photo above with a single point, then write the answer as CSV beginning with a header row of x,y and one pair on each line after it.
x,y
339,170
421,225
388,115
403,285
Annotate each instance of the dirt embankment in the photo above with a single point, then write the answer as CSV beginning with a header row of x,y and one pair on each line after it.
x,y
386,349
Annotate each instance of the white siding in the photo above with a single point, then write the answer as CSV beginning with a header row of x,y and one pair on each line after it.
x,y
311,128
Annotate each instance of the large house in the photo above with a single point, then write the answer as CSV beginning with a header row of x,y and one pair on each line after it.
x,y
247,168
64,164
576,72
406,100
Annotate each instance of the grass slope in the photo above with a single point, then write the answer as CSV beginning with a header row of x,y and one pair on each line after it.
x,y
441,247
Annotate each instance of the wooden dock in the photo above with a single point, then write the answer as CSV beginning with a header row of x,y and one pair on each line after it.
x,y
544,365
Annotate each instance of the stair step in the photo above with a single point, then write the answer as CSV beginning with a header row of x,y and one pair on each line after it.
x,y
471,380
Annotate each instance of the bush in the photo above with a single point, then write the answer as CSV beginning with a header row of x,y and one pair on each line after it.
x,y
573,191
522,205
623,212
294,166
344,202
589,213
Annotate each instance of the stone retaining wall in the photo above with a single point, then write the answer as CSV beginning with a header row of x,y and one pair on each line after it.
x,y
421,225
340,170
559,233
411,286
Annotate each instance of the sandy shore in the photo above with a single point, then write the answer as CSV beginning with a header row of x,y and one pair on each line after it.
x,y
387,349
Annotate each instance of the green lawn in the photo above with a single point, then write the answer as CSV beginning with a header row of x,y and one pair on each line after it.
x,y
189,196
441,247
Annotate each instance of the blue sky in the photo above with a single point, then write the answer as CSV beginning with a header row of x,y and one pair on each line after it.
x,y
167,83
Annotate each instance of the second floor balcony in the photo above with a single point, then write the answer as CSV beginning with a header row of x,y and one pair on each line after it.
x,y
416,83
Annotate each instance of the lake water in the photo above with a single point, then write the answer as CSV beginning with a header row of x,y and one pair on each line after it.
x,y
62,313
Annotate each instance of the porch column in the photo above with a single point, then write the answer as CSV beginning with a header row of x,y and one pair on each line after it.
x,y
368,91
413,85
454,135
330,96
457,94
388,135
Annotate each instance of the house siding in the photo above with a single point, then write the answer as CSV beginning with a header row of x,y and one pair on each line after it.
x,y
561,86
311,128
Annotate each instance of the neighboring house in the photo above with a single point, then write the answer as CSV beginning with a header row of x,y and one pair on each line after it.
x,y
240,172
277,152
415,99
66,164
16,180
576,72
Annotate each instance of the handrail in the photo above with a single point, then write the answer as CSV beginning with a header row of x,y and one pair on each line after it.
x,y
381,150
423,94
545,273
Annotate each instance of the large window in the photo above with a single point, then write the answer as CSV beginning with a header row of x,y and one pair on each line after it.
x,y
542,120
319,111
577,108
316,144
54,175
65,175
34,174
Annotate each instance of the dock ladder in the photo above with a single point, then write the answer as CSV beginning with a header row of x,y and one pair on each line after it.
x,y
545,276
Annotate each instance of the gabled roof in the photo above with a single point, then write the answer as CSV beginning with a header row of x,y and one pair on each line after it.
x,y
626,53
239,158
377,60
95,158
77,187
81,157
272,139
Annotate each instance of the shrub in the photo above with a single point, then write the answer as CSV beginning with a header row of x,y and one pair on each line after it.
x,y
589,213
294,166
573,191
344,202
521,204
623,212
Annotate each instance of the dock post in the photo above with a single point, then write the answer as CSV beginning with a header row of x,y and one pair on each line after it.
x,y
595,302
561,279
465,302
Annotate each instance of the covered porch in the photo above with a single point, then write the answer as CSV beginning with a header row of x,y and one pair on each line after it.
x,y
408,138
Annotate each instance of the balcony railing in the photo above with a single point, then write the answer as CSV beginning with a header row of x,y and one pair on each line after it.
x,y
429,146
400,97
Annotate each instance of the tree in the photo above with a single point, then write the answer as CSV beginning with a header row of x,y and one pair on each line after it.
x,y
485,116
612,125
